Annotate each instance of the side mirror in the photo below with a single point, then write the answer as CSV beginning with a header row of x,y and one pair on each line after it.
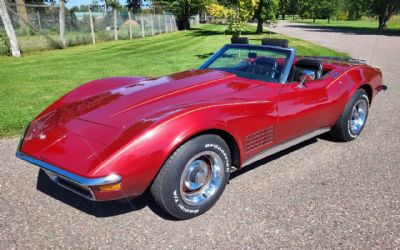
x,y
308,75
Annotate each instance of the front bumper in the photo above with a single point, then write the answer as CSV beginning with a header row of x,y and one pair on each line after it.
x,y
75,183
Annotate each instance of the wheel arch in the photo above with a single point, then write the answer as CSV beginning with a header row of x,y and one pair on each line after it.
x,y
368,89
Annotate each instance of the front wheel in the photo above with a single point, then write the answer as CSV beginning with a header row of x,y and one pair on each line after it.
x,y
353,118
193,177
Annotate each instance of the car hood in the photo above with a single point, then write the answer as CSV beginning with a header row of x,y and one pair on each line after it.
x,y
120,106
83,128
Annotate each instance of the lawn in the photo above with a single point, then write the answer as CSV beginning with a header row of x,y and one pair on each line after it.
x,y
365,25
31,83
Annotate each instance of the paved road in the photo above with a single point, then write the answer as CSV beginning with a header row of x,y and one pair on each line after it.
x,y
320,194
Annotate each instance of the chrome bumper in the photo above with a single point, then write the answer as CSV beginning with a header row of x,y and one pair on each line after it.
x,y
75,183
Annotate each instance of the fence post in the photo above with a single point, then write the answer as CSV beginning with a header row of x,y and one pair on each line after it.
x,y
38,20
174,22
152,24
115,25
130,25
170,24
141,24
92,26
165,23
62,24
159,24
14,47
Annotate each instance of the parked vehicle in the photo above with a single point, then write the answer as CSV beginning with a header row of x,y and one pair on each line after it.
x,y
182,135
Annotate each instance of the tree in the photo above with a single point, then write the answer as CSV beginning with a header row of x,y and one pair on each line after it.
x,y
384,9
14,47
22,13
292,8
134,5
266,10
184,9
283,8
243,10
328,8
355,8
219,11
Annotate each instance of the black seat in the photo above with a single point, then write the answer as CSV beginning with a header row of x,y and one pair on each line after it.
x,y
303,65
265,66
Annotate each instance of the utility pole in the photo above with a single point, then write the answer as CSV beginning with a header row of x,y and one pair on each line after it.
x,y
14,47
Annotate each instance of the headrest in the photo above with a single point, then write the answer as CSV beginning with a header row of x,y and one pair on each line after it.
x,y
266,61
310,63
240,40
252,55
275,42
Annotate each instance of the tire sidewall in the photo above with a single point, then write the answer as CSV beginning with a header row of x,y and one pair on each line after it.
x,y
179,161
360,94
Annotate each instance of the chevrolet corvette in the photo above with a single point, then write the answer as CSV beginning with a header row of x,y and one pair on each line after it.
x,y
181,135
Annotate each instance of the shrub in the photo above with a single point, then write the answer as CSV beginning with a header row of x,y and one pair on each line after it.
x,y
4,44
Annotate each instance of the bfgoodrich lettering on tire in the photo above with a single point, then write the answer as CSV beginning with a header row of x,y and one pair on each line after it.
x,y
353,119
194,177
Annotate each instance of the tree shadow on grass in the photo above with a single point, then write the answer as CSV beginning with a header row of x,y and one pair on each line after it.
x,y
98,209
347,30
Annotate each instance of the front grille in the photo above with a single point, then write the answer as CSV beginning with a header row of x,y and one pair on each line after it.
x,y
72,186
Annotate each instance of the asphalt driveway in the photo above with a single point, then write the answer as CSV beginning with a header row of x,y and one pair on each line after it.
x,y
318,194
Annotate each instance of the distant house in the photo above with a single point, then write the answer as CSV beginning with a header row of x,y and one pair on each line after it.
x,y
80,15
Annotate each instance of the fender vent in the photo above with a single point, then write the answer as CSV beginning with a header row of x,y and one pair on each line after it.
x,y
259,139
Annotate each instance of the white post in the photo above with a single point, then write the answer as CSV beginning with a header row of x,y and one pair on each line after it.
x,y
115,25
14,47
174,22
92,26
165,23
159,24
38,20
141,24
170,23
62,24
130,25
152,24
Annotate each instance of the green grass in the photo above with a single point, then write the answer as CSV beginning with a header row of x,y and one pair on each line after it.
x,y
31,83
364,26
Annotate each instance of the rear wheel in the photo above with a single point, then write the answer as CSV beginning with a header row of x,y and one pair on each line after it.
x,y
193,178
353,118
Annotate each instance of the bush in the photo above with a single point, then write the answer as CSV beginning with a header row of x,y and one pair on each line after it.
x,y
4,44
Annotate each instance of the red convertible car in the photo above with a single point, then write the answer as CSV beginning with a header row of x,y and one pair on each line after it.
x,y
182,135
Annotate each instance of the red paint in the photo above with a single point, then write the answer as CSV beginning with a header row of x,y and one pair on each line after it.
x,y
130,125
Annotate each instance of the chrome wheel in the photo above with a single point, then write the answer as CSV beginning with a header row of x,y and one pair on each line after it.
x,y
201,178
358,116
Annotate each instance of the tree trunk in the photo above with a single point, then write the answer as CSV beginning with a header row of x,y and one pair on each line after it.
x,y
184,23
14,47
22,13
259,26
62,24
257,15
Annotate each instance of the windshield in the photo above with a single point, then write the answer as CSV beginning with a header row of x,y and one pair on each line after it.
x,y
252,62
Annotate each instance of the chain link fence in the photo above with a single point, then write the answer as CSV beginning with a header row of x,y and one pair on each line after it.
x,y
37,27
